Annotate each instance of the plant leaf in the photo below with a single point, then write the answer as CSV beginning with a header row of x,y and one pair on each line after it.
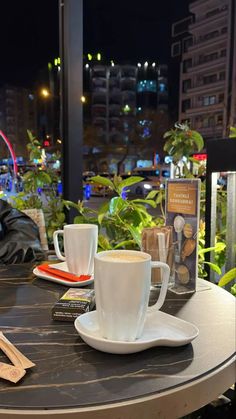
x,y
116,204
152,194
168,133
232,132
214,267
198,140
79,219
104,208
146,201
103,181
128,182
228,277
233,290
103,242
219,247
71,204
124,244
135,234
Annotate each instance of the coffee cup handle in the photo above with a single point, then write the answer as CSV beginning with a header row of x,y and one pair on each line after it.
x,y
56,244
164,286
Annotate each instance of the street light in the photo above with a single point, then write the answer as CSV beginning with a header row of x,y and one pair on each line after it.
x,y
44,92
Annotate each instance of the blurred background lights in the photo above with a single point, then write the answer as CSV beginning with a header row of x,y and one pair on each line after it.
x,y
44,92
126,108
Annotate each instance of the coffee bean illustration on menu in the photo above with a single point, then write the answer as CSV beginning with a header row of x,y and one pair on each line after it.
x,y
182,212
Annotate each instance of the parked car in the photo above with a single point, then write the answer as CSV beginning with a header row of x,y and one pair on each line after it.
x,y
141,188
157,174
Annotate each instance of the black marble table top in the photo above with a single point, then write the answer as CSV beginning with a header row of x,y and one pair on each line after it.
x,y
69,373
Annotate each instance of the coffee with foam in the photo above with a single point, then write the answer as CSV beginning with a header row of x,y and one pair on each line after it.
x,y
122,257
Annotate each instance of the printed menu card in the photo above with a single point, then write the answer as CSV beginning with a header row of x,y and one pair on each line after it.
x,y
182,212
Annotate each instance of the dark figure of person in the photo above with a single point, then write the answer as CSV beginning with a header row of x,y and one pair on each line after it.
x,y
19,236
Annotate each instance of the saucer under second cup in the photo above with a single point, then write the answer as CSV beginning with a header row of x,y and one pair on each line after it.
x,y
159,330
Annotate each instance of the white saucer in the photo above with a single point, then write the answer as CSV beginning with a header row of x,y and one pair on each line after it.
x,y
44,275
160,329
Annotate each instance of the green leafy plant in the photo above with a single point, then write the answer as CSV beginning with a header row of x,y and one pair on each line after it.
x,y
120,220
218,250
41,177
182,141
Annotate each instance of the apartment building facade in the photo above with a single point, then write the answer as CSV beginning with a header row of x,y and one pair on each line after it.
x,y
17,115
118,95
208,69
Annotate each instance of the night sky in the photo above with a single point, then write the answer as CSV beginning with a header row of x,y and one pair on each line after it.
x,y
125,31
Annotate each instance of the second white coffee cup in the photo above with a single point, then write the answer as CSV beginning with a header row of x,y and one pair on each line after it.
x,y
122,280
80,246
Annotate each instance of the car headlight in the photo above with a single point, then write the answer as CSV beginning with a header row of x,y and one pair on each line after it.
x,y
147,186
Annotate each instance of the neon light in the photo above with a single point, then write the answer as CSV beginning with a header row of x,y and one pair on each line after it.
x,y
13,156
200,157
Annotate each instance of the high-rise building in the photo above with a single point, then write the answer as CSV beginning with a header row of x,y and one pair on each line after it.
x,y
118,97
17,115
120,102
181,40
208,69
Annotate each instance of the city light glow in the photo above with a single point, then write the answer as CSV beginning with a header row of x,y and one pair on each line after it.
x,y
126,108
44,92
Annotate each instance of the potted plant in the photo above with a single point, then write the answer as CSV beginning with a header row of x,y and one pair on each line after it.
x,y
120,220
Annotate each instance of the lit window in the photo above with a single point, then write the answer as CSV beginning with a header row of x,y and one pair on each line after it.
x,y
209,100
162,87
147,86
212,100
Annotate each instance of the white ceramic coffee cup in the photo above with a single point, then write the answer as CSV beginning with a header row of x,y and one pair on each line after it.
x,y
122,280
80,246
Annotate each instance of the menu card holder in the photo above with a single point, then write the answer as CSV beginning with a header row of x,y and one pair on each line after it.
x,y
182,212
